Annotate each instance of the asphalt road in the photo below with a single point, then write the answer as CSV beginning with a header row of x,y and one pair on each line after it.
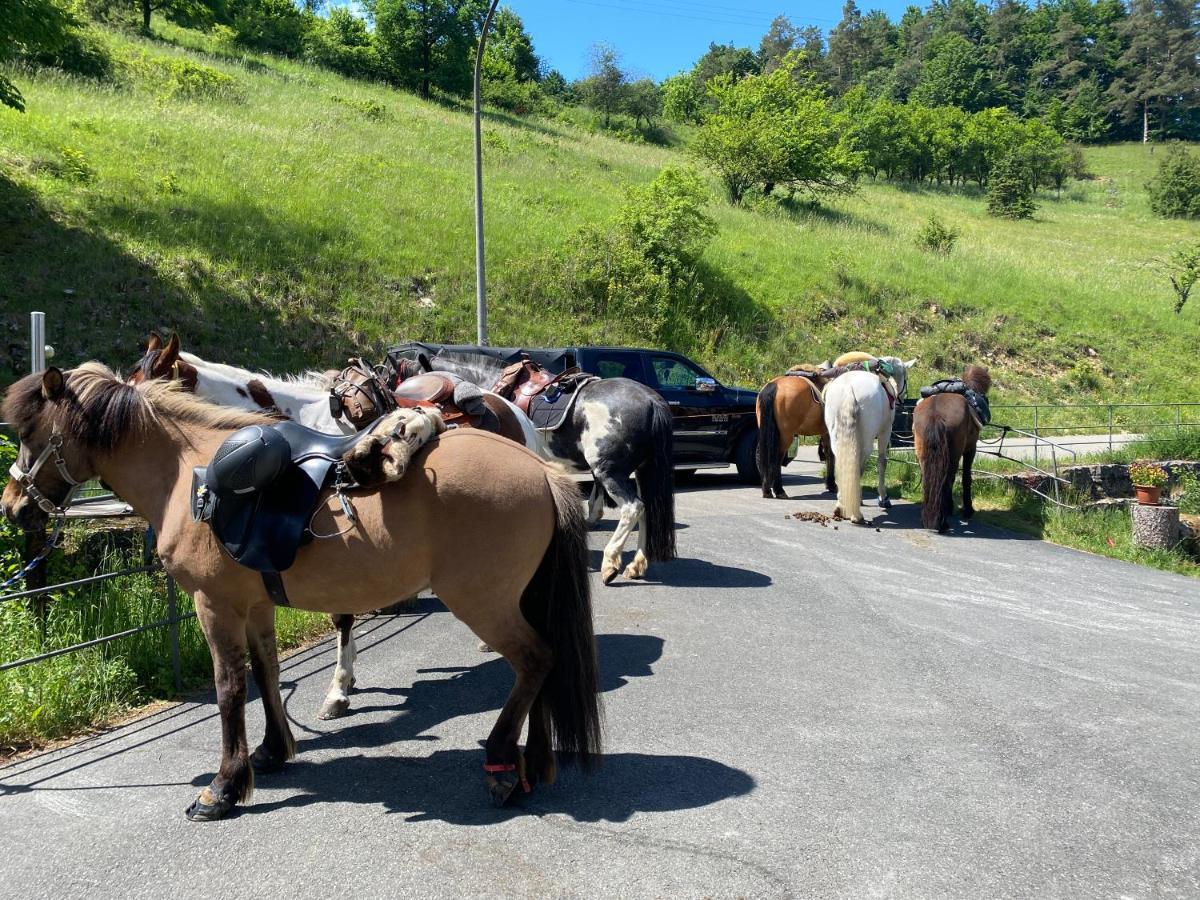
x,y
792,710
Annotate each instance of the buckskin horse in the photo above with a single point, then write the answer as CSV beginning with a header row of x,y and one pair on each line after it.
x,y
622,432
946,430
302,398
788,406
487,524
860,404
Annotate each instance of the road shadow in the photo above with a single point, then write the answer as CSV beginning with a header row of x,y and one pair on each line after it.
x,y
688,573
448,786
444,694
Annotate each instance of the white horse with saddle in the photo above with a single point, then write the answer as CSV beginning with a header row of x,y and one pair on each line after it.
x,y
860,406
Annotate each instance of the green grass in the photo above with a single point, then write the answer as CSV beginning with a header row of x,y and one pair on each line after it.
x,y
282,224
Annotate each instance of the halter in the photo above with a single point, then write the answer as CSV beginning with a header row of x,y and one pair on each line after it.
x,y
26,478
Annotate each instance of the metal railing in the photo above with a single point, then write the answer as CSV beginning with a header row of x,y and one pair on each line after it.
x,y
1103,427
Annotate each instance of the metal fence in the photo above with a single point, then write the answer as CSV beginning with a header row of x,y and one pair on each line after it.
x,y
1102,427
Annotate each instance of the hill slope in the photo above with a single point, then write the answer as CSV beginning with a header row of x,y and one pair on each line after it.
x,y
295,216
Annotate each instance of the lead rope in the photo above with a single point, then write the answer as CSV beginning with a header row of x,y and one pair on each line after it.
x,y
52,544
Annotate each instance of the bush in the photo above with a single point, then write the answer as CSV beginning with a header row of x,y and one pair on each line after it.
x,y
81,52
642,268
1175,190
937,237
276,26
343,43
173,77
76,166
1010,191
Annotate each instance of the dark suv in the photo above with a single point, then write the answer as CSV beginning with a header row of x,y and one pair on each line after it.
x,y
714,424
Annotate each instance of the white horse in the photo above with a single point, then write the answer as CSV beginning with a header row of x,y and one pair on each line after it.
x,y
859,409
303,398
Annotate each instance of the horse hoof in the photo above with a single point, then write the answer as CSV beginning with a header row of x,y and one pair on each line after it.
x,y
780,495
885,503
766,495
208,808
633,572
858,520
968,514
334,709
484,647
501,787
265,762
608,573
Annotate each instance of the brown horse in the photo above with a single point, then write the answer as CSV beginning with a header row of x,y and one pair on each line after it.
x,y
788,406
944,432
495,532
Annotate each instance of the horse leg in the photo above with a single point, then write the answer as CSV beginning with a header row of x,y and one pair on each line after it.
x,y
883,444
968,461
641,560
337,700
825,451
234,781
595,503
632,508
278,746
531,660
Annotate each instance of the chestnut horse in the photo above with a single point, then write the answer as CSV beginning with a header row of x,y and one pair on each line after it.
x,y
788,406
944,432
492,529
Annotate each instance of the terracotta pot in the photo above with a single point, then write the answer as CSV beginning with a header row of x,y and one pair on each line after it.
x,y
1147,495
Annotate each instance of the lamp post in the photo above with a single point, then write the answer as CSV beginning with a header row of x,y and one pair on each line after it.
x,y
480,274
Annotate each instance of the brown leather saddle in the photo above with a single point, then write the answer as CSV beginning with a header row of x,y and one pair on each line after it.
x,y
524,380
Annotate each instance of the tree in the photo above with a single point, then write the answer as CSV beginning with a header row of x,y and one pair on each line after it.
x,y
775,130
644,100
955,74
846,48
1182,269
1158,69
425,43
781,39
726,59
1010,194
1175,188
29,25
683,98
606,87
509,41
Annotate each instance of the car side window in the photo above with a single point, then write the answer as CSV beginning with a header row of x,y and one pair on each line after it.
x,y
675,373
619,365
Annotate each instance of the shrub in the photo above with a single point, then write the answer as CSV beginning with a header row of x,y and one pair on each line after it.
x,y
172,78
1175,190
642,268
342,43
76,166
937,237
276,26
1010,191
82,51
370,109
1188,493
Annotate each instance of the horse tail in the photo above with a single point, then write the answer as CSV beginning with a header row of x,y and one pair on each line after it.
x,y
768,455
656,484
847,456
558,604
936,473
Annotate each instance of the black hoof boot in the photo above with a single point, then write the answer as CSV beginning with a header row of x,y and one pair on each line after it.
x,y
208,807
266,762
781,495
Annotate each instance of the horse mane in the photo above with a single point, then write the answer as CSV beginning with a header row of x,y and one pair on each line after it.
x,y
977,378
308,380
472,366
100,410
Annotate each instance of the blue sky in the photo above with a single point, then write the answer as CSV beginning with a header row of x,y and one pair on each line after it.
x,y
661,37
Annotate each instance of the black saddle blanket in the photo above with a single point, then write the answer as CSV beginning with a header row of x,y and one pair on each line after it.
x,y
977,401
549,409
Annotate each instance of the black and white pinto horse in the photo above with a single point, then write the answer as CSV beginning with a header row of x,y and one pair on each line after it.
x,y
621,432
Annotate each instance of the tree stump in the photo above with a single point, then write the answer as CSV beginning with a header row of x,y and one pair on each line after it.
x,y
1155,527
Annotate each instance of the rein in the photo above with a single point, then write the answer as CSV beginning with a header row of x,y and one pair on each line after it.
x,y
58,511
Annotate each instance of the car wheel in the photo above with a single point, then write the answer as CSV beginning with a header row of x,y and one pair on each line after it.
x,y
745,458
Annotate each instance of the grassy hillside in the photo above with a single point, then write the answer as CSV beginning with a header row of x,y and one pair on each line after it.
x,y
292,216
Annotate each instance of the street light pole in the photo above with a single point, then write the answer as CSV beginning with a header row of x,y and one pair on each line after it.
x,y
480,274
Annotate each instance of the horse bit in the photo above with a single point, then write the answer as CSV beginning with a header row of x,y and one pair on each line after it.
x,y
59,511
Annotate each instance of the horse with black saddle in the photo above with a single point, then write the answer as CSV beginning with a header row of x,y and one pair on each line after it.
x,y
486,524
615,428
947,422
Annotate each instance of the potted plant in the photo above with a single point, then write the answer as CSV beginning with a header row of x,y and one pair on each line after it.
x,y
1148,482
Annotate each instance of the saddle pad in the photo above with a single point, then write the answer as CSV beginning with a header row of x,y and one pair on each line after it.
x,y
549,409
814,382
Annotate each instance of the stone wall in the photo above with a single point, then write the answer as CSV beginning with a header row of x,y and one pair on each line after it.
x,y
1103,481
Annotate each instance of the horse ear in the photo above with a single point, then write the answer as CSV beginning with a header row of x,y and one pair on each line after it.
x,y
53,384
172,348
424,361
912,362
154,342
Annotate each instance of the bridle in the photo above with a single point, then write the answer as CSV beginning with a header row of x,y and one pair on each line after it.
x,y
26,478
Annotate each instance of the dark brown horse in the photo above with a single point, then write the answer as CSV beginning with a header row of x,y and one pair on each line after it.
x,y
788,406
945,431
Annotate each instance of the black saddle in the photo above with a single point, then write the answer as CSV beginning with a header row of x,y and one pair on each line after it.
x,y
260,490
977,401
